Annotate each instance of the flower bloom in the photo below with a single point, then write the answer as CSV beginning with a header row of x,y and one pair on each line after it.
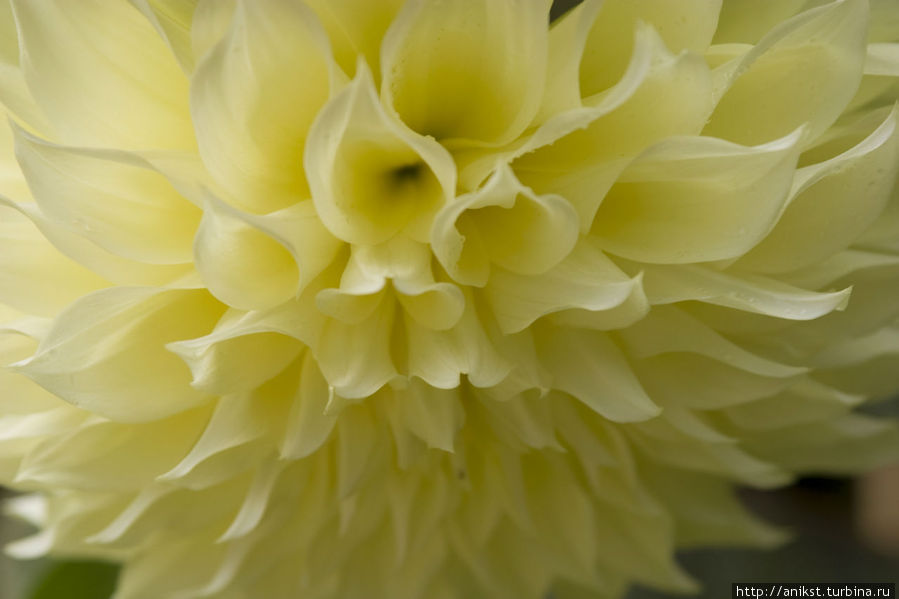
x,y
430,299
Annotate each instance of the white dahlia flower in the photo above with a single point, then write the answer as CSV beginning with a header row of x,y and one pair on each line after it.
x,y
430,299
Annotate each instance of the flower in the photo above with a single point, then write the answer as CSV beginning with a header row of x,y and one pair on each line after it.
x,y
341,299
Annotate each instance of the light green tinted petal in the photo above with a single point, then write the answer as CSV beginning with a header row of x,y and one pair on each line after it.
x,y
884,25
883,60
682,24
807,401
695,382
661,95
371,177
667,329
804,71
78,62
696,199
852,443
567,38
832,203
253,98
747,21
434,416
467,71
110,345
751,293
356,27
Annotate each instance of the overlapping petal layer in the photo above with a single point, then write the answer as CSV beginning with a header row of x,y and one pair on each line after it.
x,y
431,298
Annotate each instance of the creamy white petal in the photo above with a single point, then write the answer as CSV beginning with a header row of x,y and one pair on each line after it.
x,y
235,421
102,263
356,358
98,454
209,24
440,357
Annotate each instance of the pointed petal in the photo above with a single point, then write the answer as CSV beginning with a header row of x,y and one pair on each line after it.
x,y
80,64
110,346
696,200
504,223
589,366
832,203
586,279
467,71
804,71
682,24
111,198
370,176
254,97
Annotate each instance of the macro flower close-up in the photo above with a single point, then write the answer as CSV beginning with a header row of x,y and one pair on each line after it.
x,y
438,299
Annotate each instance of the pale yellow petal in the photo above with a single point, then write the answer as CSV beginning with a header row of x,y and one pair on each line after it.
x,y
80,63
468,71
253,98
804,71
106,352
371,177
682,24
506,224
661,95
111,198
831,204
356,27
696,200
586,279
